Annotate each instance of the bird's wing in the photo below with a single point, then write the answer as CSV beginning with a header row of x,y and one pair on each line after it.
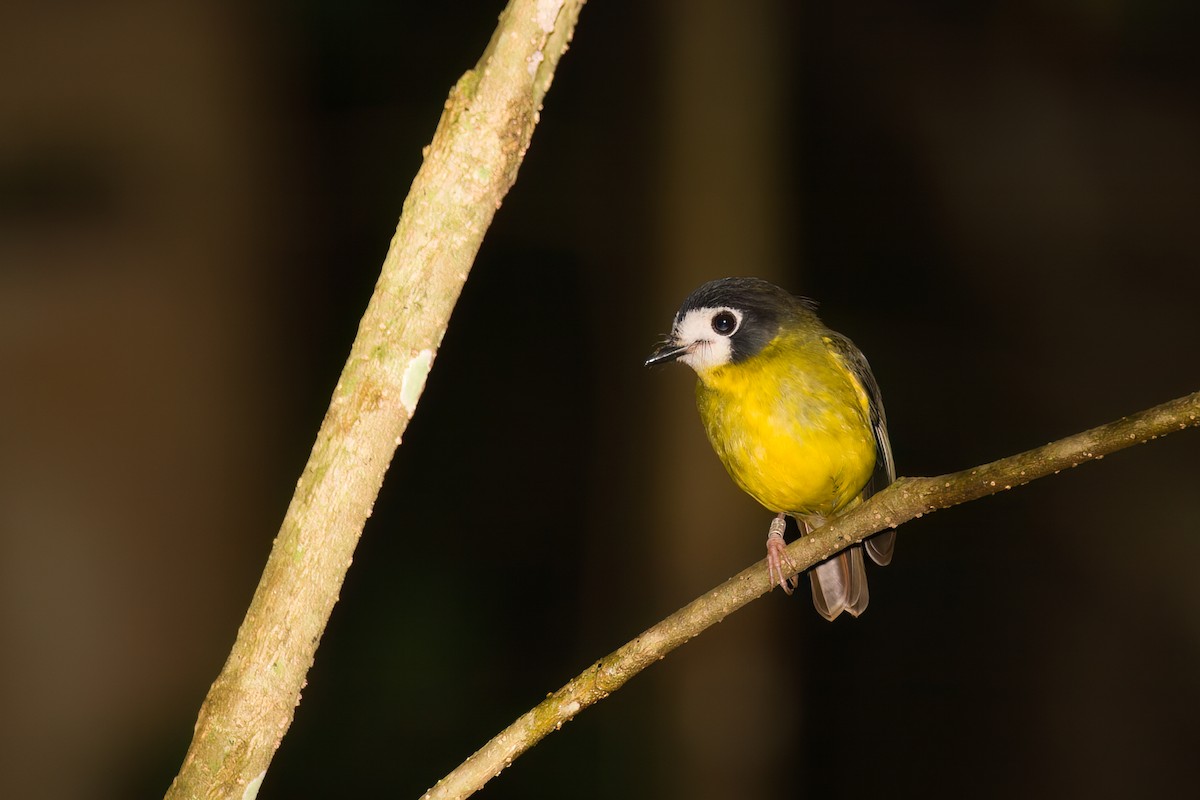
x,y
880,546
856,364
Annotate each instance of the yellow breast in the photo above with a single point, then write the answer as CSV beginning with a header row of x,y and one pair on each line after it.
x,y
792,426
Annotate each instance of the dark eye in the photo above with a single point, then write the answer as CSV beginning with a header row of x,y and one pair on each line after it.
x,y
724,323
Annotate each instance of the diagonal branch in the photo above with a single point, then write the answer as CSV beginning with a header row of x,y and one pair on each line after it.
x,y
904,500
469,167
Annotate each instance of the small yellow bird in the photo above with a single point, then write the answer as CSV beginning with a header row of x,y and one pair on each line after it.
x,y
796,417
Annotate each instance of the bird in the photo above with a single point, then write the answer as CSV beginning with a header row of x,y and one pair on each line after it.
x,y
795,415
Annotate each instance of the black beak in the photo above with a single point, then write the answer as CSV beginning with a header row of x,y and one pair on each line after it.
x,y
667,352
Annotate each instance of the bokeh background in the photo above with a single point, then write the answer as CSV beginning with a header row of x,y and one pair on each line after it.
x,y
1000,203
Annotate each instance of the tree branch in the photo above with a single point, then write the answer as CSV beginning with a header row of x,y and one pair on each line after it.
x,y
468,168
904,500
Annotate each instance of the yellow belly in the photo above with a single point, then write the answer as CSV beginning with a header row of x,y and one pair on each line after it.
x,y
792,427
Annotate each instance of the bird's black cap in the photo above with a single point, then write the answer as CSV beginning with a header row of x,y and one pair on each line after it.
x,y
765,307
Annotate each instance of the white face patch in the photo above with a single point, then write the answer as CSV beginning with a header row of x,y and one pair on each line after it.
x,y
706,347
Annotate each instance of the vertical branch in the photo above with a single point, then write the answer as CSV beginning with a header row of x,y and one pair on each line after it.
x,y
469,167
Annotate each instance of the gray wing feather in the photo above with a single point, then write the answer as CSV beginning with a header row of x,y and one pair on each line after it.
x,y
880,546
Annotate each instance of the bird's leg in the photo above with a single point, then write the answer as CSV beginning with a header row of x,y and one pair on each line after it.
x,y
777,557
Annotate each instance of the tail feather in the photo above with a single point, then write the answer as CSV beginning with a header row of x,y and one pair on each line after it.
x,y
840,584
881,546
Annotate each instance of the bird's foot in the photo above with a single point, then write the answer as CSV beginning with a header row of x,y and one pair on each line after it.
x,y
779,565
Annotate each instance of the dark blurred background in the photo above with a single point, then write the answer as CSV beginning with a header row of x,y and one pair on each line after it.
x,y
998,201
